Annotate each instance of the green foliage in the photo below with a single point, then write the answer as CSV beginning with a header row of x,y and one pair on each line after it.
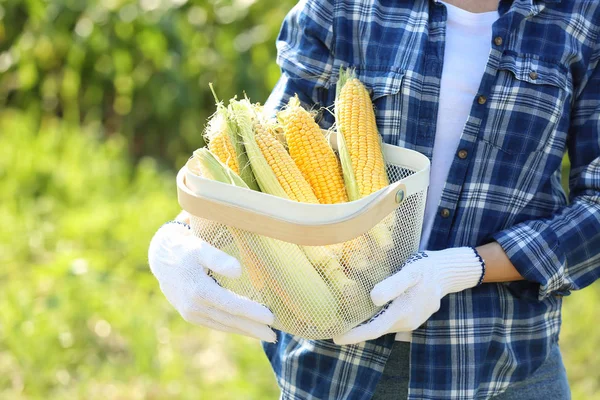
x,y
141,68
82,316
105,88
579,341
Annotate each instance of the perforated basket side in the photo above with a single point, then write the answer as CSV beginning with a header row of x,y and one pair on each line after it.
x,y
336,298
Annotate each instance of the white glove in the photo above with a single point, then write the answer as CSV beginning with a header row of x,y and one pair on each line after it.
x,y
416,290
180,260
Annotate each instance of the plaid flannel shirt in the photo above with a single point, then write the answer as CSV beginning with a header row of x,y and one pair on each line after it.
x,y
538,98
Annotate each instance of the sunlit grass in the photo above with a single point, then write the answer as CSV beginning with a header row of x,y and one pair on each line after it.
x,y
81,315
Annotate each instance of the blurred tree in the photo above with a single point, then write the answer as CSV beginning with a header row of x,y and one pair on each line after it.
x,y
81,315
137,67
71,260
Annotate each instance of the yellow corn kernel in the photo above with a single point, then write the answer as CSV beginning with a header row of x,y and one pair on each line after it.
x,y
359,146
277,132
312,154
287,172
355,119
220,145
220,136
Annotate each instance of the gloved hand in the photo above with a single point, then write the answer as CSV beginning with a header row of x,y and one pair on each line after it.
x,y
180,261
416,290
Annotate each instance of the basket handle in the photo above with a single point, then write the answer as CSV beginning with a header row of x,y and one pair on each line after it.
x,y
307,235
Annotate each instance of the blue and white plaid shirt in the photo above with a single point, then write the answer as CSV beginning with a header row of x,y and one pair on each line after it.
x,y
539,97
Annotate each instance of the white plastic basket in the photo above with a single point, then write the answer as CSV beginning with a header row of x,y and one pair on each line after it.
x,y
349,247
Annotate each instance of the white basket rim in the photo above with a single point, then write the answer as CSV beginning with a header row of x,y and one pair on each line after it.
x,y
308,224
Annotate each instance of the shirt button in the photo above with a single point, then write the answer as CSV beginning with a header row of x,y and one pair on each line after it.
x,y
462,154
445,213
498,41
481,99
533,75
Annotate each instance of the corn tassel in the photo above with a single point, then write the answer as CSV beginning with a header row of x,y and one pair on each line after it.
x,y
271,123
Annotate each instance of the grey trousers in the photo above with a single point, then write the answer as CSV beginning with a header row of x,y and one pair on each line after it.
x,y
549,382
393,384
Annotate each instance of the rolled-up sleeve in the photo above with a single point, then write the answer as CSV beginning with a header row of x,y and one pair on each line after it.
x,y
304,53
562,253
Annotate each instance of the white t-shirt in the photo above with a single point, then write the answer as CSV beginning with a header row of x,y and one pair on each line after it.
x,y
468,44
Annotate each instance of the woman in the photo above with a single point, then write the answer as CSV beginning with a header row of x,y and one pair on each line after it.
x,y
494,93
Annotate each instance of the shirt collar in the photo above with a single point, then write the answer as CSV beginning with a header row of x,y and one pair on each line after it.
x,y
528,1
526,7
532,7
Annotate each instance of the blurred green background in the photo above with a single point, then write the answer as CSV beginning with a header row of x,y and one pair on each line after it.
x,y
100,102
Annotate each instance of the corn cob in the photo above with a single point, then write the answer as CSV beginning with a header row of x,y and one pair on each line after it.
x,y
220,142
289,176
267,290
319,164
362,161
310,150
324,258
277,174
256,270
274,169
289,265
359,145
223,142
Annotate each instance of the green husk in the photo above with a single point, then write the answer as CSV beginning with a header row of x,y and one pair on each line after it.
x,y
245,116
223,120
347,170
345,160
324,261
289,265
379,233
345,74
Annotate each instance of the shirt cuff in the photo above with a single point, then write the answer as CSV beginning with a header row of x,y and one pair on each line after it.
x,y
403,337
534,249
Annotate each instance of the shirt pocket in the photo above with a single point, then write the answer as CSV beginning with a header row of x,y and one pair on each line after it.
x,y
385,85
526,104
